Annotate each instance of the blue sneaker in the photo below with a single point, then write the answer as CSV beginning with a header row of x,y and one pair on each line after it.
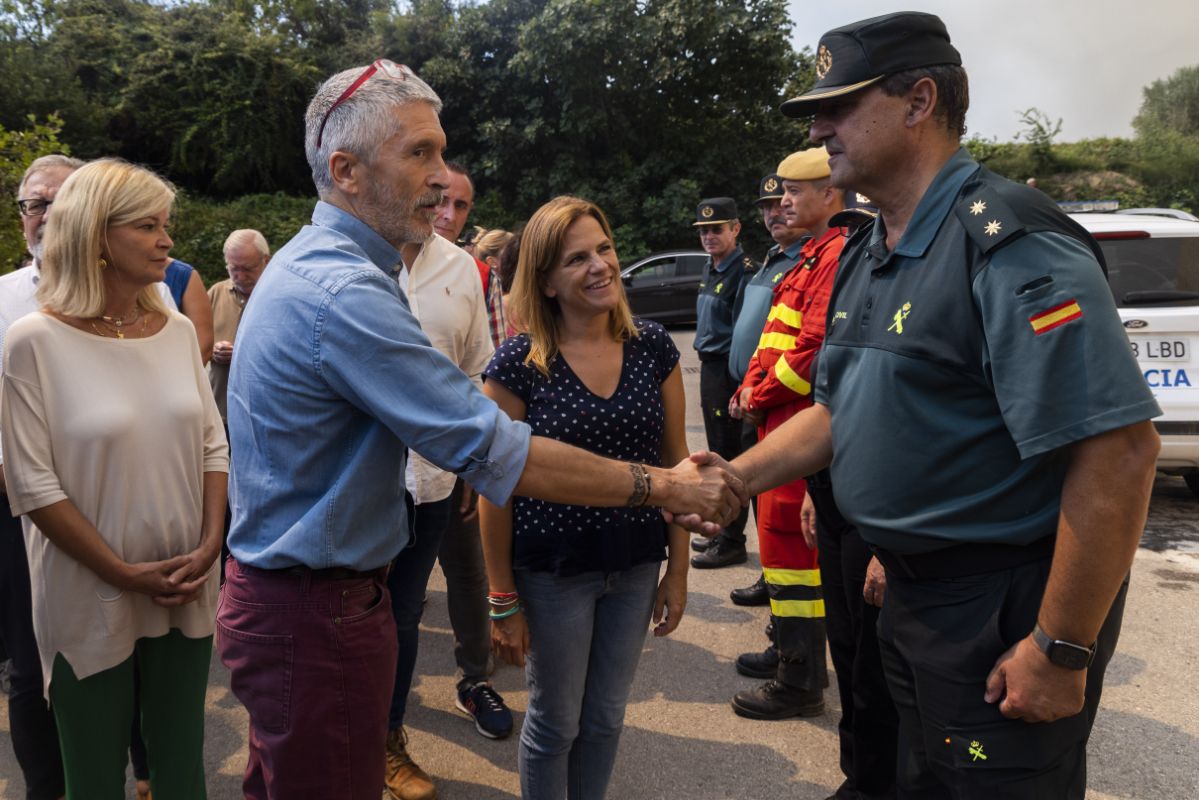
x,y
485,706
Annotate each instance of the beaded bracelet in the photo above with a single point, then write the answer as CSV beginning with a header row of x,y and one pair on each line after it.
x,y
504,614
502,599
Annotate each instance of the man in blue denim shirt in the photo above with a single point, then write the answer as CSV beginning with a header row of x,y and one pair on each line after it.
x,y
330,384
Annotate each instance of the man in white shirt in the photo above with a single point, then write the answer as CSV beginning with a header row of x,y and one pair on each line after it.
x,y
34,734
441,282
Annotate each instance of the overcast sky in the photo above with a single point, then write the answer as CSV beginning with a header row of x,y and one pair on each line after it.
x,y
1084,61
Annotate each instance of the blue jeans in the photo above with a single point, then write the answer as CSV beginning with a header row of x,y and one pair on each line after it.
x,y
586,633
407,582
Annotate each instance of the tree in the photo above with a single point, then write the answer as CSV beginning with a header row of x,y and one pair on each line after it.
x,y
1171,104
217,105
644,106
18,148
1039,131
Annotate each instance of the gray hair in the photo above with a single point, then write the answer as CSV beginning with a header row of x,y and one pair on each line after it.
x,y
52,161
362,121
247,236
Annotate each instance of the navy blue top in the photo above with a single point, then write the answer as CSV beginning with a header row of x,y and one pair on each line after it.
x,y
178,274
569,540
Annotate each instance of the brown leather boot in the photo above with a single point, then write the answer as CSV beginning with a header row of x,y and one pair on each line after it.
x,y
405,780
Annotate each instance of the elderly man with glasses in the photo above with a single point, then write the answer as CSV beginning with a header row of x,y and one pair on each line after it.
x,y
333,382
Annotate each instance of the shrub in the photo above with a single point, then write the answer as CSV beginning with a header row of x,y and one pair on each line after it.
x,y
200,226
18,149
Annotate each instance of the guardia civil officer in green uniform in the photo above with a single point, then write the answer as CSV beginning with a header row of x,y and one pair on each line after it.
x,y
727,269
985,421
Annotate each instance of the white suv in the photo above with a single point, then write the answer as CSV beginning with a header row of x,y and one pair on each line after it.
x,y
1153,270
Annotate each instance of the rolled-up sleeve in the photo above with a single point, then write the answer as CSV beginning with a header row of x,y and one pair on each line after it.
x,y
372,351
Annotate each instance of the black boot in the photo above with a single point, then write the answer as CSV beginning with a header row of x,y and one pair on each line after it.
x,y
774,700
753,595
798,688
701,543
764,664
759,665
721,553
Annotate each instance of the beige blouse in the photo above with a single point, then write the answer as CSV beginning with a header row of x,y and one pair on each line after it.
x,y
125,429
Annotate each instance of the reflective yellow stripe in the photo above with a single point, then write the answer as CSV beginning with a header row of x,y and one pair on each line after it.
x,y
797,608
791,577
790,378
776,341
789,316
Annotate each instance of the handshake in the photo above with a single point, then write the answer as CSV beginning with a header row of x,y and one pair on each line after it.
x,y
703,493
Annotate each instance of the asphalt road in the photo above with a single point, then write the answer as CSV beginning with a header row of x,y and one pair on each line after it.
x,y
682,740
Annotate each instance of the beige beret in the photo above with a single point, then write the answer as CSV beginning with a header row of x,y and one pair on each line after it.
x,y
806,165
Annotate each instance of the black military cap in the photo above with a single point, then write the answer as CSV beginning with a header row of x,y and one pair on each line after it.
x,y
715,210
771,188
858,209
856,55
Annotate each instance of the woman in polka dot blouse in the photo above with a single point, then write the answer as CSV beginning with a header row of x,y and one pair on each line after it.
x,y
574,588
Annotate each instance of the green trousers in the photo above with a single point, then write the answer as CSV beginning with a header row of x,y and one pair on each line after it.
x,y
95,715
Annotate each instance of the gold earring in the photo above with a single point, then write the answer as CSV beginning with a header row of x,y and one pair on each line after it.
x,y
103,263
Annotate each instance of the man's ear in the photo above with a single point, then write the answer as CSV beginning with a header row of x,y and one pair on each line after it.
x,y
346,171
736,225
922,102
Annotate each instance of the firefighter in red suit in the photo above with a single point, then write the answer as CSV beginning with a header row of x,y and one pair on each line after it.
x,y
776,387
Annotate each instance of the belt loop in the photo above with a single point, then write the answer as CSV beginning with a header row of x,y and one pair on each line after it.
x,y
305,583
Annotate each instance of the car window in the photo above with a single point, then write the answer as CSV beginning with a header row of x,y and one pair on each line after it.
x,y
655,270
692,265
1152,265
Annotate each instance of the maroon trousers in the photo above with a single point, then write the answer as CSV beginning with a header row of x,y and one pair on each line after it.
x,y
313,661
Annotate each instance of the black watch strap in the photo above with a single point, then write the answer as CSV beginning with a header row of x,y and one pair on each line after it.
x,y
1063,653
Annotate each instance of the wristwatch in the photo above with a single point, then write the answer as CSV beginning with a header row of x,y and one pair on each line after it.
x,y
1063,653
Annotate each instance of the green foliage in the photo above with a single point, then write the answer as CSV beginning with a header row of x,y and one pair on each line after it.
x,y
643,107
1171,105
199,226
18,148
1040,131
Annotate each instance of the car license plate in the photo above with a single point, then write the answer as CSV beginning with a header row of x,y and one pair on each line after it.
x,y
1160,348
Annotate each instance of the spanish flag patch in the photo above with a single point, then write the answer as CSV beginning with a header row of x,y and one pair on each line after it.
x,y
1055,317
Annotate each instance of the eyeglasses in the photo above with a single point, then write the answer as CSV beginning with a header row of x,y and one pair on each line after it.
x,y
398,72
34,206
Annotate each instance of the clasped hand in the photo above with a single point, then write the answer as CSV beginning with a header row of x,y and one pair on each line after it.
x,y
711,494
173,581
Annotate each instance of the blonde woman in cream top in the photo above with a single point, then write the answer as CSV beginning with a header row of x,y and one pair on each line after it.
x,y
114,450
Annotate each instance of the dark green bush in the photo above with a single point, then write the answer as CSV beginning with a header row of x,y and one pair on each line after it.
x,y
200,226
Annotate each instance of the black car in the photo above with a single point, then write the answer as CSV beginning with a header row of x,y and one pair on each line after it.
x,y
662,287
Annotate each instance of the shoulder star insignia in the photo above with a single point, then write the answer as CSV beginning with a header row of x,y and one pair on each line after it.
x,y
993,227
978,207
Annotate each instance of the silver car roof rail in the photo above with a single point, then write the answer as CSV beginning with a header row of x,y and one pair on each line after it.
x,y
1172,213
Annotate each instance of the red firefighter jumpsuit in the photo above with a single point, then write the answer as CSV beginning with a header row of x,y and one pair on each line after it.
x,y
780,377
